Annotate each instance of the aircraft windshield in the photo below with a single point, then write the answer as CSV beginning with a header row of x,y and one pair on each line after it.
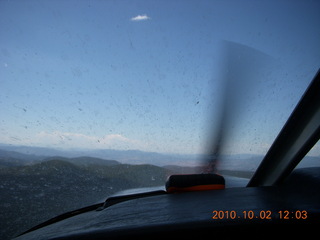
x,y
98,97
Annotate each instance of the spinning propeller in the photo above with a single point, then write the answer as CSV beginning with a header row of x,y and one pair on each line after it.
x,y
242,68
241,71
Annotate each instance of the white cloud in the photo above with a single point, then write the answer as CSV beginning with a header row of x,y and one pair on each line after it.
x,y
140,18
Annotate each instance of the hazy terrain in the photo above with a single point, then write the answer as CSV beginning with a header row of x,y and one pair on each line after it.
x,y
32,191
37,184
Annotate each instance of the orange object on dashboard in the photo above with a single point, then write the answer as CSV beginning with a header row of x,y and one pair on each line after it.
x,y
194,182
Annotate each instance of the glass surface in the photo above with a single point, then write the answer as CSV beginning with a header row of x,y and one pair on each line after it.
x,y
312,159
98,97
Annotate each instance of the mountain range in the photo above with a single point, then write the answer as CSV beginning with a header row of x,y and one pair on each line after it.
x,y
123,156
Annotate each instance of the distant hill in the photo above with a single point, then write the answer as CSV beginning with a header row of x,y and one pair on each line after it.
x,y
85,161
12,158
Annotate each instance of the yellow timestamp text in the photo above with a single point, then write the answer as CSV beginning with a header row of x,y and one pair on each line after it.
x,y
261,214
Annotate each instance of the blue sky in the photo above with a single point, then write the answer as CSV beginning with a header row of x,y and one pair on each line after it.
x,y
145,74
